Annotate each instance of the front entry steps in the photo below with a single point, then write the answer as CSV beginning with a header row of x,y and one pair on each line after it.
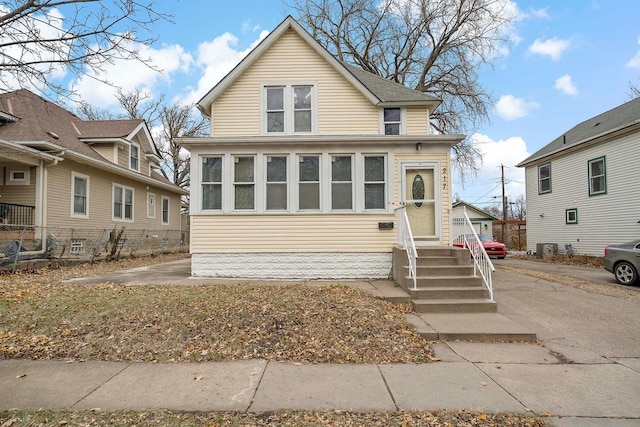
x,y
450,303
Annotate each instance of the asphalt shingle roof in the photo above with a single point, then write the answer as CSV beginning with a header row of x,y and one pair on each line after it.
x,y
602,124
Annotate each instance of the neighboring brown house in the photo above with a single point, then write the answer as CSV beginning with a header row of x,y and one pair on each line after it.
x,y
59,171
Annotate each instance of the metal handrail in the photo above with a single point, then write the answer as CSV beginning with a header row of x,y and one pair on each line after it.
x,y
406,238
468,238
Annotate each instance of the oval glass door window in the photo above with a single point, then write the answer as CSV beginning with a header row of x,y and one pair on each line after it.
x,y
417,190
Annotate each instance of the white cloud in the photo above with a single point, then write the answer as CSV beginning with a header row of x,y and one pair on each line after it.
x,y
553,48
216,59
129,74
510,108
565,85
486,185
635,61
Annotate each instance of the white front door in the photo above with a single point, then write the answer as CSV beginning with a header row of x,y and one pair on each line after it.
x,y
422,199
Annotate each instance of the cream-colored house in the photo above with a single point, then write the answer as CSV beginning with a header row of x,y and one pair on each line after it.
x,y
307,164
60,172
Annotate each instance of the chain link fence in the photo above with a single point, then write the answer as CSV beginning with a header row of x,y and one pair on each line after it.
x,y
29,243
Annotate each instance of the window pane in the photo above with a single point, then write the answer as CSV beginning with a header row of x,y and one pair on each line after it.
x,y
309,168
276,169
596,168
80,186
275,122
128,197
302,97
276,196
243,171
374,169
212,169
545,171
309,197
275,98
374,196
117,210
117,194
392,129
211,196
341,168
341,196
302,121
597,184
244,196
391,115
79,204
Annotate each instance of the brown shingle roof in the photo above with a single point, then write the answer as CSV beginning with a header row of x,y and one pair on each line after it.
x,y
106,128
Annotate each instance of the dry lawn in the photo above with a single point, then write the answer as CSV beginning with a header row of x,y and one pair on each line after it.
x,y
42,318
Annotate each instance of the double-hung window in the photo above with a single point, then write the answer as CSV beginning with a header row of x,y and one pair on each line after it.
x,y
277,193
341,182
165,210
309,182
134,157
544,178
244,182
80,206
151,205
288,109
597,177
211,183
392,120
374,184
122,203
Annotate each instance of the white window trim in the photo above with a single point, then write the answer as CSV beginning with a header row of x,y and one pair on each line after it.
x,y
19,181
363,183
228,204
113,201
403,120
131,145
540,191
74,214
257,173
287,182
163,199
149,197
288,107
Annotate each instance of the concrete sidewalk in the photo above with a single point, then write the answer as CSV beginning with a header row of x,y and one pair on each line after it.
x,y
584,371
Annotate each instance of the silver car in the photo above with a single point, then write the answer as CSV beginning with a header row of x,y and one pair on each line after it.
x,y
623,261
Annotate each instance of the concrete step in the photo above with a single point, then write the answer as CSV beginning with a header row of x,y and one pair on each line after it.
x,y
439,251
427,261
445,281
484,327
444,270
437,293
475,305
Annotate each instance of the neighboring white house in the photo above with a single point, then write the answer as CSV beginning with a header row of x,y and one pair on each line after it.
x,y
307,161
583,188
482,221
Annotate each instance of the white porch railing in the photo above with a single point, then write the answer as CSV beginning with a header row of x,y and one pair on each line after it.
x,y
464,235
406,239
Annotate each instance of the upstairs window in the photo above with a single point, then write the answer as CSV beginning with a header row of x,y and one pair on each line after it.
x,y
544,178
392,120
134,157
288,109
597,177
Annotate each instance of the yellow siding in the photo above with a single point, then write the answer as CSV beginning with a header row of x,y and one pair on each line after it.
x,y
417,120
291,233
105,150
342,109
100,198
18,194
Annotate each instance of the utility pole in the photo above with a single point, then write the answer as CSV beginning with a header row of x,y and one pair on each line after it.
x,y
504,209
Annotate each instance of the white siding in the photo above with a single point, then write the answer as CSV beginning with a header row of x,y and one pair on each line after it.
x,y
602,219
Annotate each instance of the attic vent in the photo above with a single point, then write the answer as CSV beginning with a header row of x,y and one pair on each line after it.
x,y
53,135
597,124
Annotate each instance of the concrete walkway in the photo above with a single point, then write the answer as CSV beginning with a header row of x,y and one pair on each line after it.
x,y
585,370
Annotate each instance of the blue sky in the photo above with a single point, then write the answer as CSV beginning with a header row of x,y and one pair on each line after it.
x,y
569,60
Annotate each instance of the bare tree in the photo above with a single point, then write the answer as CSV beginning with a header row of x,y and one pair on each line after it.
x,y
42,39
434,46
167,122
634,91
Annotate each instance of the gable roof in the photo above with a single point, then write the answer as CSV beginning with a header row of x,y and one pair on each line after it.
x,y
43,125
607,123
377,90
475,208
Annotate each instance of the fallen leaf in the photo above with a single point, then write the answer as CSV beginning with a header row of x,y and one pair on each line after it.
x,y
483,383
198,378
21,376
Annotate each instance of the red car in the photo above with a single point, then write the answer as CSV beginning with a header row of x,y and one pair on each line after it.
x,y
492,247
